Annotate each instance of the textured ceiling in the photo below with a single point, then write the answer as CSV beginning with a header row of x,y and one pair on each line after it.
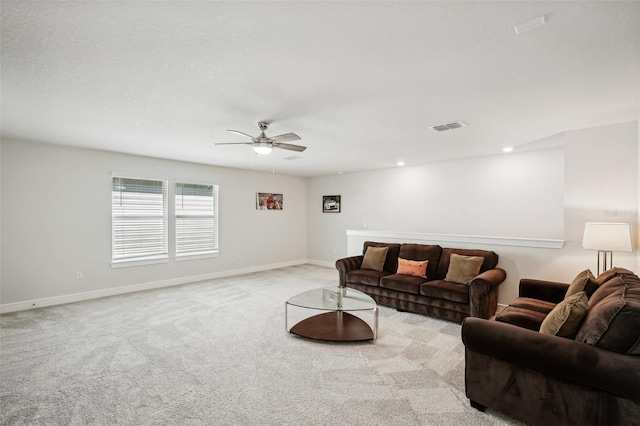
x,y
360,82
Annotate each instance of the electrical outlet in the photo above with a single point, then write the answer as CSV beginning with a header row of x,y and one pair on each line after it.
x,y
79,275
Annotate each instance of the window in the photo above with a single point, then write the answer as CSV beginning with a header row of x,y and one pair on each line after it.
x,y
196,219
139,220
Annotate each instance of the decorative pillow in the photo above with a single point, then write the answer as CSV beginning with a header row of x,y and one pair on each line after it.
x,y
584,281
462,269
374,258
416,268
565,319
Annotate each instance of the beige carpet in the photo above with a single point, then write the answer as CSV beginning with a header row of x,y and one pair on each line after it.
x,y
217,353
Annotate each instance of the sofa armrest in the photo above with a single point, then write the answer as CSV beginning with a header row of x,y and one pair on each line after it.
x,y
488,280
549,291
576,362
347,264
483,292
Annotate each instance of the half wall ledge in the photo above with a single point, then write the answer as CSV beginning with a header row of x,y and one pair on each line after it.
x,y
419,238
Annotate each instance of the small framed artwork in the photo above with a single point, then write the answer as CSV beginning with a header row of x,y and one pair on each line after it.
x,y
330,204
268,201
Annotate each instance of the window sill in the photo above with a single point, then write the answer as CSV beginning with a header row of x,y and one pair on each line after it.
x,y
196,256
141,262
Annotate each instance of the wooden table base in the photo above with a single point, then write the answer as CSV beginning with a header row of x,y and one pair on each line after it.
x,y
334,326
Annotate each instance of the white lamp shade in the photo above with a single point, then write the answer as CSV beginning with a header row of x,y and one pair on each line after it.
x,y
262,148
607,236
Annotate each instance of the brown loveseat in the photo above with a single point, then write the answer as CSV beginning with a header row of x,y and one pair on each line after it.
x,y
589,377
431,294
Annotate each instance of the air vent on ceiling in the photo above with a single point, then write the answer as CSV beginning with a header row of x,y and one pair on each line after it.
x,y
448,126
529,25
292,157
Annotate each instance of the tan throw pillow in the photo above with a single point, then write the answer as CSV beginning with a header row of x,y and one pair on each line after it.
x,y
374,258
416,268
565,319
462,269
584,281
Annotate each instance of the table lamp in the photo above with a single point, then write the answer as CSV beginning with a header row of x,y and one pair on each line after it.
x,y
606,237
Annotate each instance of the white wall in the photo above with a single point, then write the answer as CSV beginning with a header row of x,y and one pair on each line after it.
x,y
538,194
601,185
56,220
55,212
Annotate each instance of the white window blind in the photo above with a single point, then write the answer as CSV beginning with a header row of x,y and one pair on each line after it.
x,y
139,219
196,219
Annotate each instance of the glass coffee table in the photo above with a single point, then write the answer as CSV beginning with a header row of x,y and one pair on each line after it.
x,y
330,315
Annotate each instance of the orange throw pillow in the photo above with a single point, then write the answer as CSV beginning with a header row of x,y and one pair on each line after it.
x,y
416,268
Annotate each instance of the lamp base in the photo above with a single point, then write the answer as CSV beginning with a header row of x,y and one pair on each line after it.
x,y
605,257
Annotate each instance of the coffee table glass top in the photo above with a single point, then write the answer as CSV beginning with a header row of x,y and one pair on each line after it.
x,y
333,299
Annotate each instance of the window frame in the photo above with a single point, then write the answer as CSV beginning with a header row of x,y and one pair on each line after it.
x,y
161,256
195,254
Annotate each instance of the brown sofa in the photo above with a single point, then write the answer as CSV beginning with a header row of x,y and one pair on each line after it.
x,y
589,377
431,295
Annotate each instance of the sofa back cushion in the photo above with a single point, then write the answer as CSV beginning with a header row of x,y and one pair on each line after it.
x,y
613,320
391,262
611,273
423,252
490,259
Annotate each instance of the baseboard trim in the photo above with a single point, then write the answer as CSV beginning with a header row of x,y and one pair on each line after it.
x,y
321,263
114,291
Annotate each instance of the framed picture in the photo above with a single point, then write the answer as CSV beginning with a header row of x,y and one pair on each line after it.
x,y
330,204
268,201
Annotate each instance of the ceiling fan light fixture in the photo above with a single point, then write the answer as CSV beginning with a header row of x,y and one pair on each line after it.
x,y
262,148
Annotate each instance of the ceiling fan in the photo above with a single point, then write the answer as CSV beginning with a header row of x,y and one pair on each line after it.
x,y
263,144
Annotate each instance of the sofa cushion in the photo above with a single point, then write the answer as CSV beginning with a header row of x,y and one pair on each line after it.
x,y
428,252
366,276
463,269
405,283
584,281
416,268
447,290
525,318
531,304
391,263
490,260
374,258
613,285
611,273
613,320
565,319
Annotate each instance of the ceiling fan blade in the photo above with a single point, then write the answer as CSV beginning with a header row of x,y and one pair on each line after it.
x,y
290,147
287,137
240,133
234,143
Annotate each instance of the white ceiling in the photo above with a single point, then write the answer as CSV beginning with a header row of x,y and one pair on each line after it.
x,y
360,82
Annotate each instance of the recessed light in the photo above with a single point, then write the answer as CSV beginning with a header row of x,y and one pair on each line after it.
x,y
507,149
401,163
